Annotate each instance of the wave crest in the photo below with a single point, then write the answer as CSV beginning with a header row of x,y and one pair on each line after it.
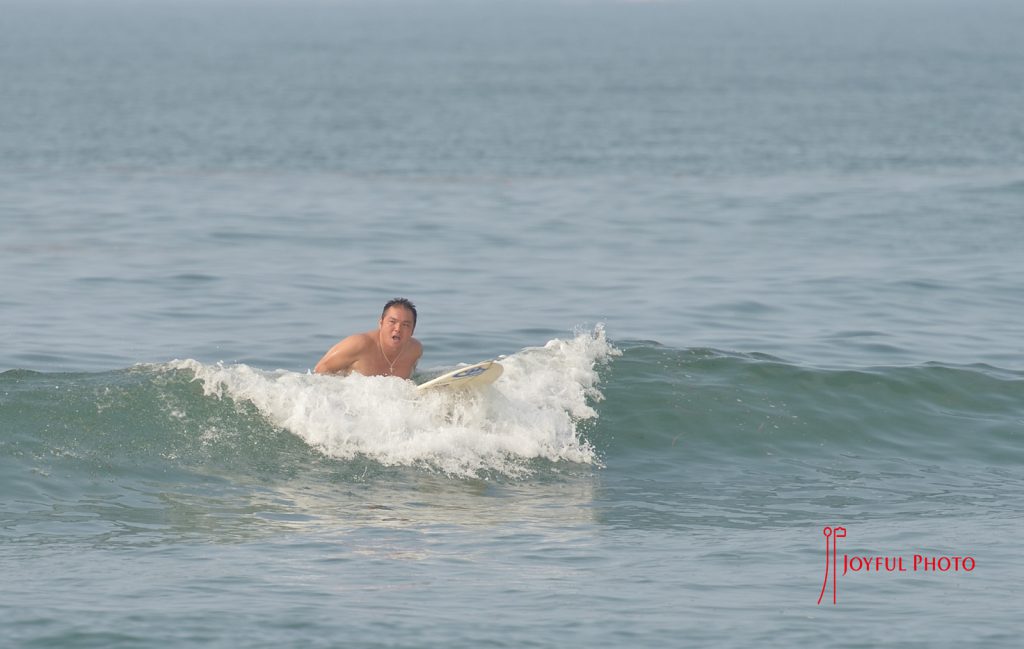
x,y
531,413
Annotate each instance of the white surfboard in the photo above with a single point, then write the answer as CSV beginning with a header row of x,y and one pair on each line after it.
x,y
475,376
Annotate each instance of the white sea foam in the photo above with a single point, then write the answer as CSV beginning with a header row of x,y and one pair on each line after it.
x,y
531,412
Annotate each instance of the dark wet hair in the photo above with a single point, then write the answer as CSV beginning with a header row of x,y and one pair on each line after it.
x,y
402,302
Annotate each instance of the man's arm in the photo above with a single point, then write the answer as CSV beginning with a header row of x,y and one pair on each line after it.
x,y
341,357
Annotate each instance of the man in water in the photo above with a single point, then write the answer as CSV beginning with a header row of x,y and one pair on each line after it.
x,y
390,350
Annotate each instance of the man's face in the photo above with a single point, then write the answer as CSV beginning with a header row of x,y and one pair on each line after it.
x,y
396,327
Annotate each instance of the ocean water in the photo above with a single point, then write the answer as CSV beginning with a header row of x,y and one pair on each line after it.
x,y
754,268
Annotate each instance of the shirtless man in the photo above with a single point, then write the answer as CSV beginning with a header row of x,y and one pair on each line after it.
x,y
390,350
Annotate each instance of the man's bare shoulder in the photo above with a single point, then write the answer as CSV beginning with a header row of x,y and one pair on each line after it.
x,y
354,344
341,357
417,347
361,341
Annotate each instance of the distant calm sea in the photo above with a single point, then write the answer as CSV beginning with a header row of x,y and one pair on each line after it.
x,y
756,269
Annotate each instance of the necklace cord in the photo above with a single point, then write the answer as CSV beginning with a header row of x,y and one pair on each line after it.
x,y
391,363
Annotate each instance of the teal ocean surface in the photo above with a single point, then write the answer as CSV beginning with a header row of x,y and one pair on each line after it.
x,y
754,268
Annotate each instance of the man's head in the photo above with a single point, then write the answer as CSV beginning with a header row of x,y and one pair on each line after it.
x,y
402,303
397,323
